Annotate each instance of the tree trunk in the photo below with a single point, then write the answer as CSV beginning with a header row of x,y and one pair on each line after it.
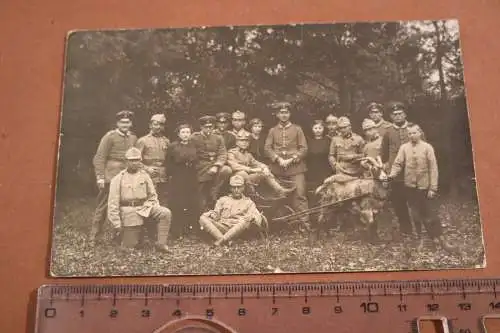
x,y
447,116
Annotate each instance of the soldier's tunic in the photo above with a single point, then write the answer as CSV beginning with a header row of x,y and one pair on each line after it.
x,y
382,127
241,162
211,151
286,141
229,139
343,152
133,198
373,148
108,161
154,151
231,212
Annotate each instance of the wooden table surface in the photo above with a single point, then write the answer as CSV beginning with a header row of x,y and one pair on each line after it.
x,y
32,38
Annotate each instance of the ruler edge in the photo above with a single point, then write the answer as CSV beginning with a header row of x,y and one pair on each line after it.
x,y
367,283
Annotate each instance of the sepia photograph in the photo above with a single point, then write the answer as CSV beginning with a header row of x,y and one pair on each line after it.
x,y
301,148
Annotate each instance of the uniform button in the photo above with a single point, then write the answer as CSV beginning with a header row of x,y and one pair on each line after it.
x,y
185,209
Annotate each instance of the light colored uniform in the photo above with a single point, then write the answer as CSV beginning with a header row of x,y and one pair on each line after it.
x,y
132,199
231,212
340,149
154,151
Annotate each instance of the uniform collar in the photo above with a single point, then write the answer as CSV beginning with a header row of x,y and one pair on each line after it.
x,y
121,133
348,136
402,126
380,123
288,124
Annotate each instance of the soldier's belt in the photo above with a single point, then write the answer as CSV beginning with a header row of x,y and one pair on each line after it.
x,y
132,203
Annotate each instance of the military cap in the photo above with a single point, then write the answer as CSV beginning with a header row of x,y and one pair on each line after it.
x,y
207,120
124,114
236,181
367,124
133,154
374,106
159,117
243,135
222,117
397,106
238,115
343,122
331,119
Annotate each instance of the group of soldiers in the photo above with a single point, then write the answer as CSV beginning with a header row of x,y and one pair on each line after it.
x,y
133,179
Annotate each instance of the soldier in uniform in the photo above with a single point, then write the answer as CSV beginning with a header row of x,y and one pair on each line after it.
x,y
346,150
132,200
375,113
212,171
232,215
238,122
222,128
394,137
286,148
373,141
108,161
331,125
245,165
153,148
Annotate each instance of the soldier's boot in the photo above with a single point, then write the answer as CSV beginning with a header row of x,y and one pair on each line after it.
x,y
207,225
372,233
276,186
130,237
95,233
233,233
163,228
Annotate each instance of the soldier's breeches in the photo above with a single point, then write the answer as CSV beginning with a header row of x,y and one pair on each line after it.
x,y
236,230
221,178
163,216
299,199
131,236
207,224
100,213
399,201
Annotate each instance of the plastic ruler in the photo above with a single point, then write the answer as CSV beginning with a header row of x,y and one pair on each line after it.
x,y
444,306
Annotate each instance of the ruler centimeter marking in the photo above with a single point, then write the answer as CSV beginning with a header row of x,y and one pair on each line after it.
x,y
460,304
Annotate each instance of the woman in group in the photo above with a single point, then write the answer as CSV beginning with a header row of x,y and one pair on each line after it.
x,y
257,140
183,190
318,168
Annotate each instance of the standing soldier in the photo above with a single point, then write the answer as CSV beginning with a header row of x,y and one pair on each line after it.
x,y
373,141
331,126
238,122
153,148
231,215
375,113
222,128
108,161
245,165
286,148
211,168
346,150
395,136
132,199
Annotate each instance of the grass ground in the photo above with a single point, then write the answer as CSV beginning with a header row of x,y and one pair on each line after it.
x,y
284,251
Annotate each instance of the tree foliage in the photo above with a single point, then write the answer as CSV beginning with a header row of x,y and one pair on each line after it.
x,y
320,68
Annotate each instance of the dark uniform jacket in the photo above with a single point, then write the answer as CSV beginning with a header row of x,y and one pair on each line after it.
x,y
285,142
211,151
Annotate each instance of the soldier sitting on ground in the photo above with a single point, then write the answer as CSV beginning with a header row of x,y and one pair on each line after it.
x,y
133,199
232,214
253,172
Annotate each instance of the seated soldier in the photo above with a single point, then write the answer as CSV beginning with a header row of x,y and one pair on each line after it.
x,y
253,172
232,214
132,199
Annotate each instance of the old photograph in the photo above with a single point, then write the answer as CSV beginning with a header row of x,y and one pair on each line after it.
x,y
265,149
